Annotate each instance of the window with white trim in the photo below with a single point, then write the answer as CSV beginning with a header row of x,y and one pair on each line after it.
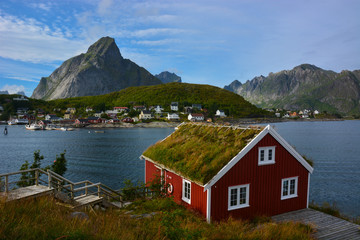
x,y
289,188
266,155
186,191
238,197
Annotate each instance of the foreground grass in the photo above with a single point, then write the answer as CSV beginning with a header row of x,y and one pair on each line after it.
x,y
45,219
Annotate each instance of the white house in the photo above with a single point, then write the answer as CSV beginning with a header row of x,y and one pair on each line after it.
x,y
98,113
174,106
316,112
145,114
173,116
89,109
220,113
196,117
158,109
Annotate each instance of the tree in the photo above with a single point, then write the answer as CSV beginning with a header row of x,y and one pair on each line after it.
x,y
59,165
28,178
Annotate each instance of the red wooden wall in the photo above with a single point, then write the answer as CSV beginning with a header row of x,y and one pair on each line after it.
x,y
198,196
265,184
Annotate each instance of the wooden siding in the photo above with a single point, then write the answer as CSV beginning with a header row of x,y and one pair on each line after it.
x,y
265,184
198,196
151,172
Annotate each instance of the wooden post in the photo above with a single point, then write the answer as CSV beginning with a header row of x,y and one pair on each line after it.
x,y
49,179
36,177
72,191
86,189
6,183
98,190
58,186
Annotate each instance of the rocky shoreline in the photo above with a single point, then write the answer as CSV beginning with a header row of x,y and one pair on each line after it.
x,y
137,125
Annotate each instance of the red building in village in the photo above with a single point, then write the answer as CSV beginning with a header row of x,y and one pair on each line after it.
x,y
229,171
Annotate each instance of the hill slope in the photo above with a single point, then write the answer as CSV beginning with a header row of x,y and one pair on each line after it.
x,y
305,86
210,97
99,71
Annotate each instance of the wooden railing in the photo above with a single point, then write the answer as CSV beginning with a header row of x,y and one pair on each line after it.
x,y
73,190
6,183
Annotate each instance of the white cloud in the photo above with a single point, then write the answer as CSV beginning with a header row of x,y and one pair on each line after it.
x,y
13,88
23,79
156,31
43,6
104,6
29,40
156,42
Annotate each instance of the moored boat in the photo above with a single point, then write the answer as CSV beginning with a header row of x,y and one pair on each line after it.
x,y
33,126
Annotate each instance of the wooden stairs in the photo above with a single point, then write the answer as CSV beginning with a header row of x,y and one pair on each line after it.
x,y
74,194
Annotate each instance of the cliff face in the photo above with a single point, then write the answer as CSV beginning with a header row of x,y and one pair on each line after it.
x,y
167,77
305,86
100,70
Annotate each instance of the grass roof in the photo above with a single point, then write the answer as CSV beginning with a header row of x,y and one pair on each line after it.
x,y
200,151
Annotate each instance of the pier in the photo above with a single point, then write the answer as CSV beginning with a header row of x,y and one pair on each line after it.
x,y
326,226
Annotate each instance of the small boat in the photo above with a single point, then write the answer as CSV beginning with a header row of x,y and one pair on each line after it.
x,y
33,126
50,127
99,131
63,129
12,122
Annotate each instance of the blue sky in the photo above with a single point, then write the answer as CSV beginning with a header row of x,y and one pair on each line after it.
x,y
207,42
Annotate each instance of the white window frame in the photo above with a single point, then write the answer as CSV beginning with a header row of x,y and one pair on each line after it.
x,y
293,195
238,205
184,198
266,160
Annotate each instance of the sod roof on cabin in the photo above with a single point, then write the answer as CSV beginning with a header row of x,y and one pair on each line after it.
x,y
200,151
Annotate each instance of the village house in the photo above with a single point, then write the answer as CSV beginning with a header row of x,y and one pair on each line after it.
x,y
196,106
139,108
71,110
232,172
220,113
113,120
196,117
173,116
52,117
145,114
158,109
88,109
127,120
68,115
174,106
81,121
95,120
121,109
98,113
21,98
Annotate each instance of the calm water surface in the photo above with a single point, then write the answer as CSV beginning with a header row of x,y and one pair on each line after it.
x,y
113,156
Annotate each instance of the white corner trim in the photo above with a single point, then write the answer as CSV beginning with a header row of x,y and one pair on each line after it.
x,y
308,191
247,148
236,159
208,205
290,149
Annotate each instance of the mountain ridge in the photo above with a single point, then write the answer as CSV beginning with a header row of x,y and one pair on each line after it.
x,y
304,86
100,70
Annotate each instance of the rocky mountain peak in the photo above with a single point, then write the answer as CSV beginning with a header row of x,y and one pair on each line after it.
x,y
100,70
167,77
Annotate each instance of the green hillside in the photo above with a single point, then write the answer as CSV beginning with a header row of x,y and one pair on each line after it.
x,y
211,98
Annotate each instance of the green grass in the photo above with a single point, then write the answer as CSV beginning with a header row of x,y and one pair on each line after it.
x,y
45,219
200,151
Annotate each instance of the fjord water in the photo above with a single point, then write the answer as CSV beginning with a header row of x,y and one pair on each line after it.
x,y
113,156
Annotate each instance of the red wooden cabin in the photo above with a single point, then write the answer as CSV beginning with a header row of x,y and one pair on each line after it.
x,y
264,175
